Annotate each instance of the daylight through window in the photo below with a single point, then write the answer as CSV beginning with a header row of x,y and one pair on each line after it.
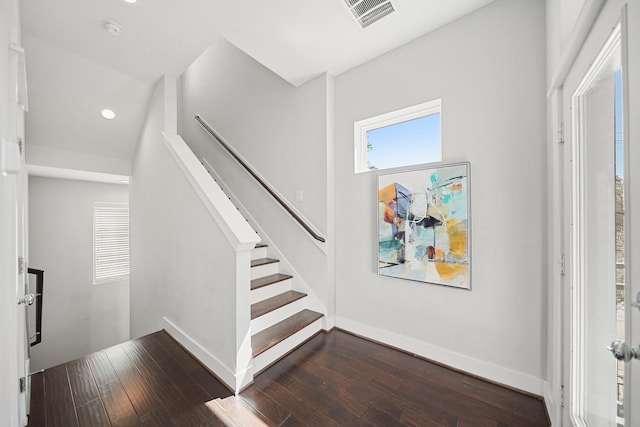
x,y
406,137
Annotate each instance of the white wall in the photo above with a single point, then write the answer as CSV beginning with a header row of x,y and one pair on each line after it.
x,y
78,316
561,19
282,131
148,298
489,70
183,267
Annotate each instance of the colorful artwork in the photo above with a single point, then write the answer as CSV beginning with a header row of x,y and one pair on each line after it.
x,y
423,225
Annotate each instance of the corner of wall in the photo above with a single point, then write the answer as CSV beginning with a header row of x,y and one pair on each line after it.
x,y
145,307
170,104
331,199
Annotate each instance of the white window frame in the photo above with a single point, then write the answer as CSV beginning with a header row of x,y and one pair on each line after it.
x,y
118,268
360,129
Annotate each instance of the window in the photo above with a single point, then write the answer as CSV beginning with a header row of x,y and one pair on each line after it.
x,y
110,242
405,137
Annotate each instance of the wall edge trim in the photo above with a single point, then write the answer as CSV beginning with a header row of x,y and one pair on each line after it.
x,y
76,174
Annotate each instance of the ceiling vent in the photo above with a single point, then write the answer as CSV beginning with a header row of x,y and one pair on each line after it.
x,y
367,12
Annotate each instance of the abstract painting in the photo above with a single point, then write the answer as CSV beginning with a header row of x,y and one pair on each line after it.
x,y
424,225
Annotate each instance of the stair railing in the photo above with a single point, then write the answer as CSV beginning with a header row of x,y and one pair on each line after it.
x,y
257,177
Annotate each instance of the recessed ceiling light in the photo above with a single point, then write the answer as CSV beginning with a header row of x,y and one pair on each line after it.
x,y
129,1
108,114
112,27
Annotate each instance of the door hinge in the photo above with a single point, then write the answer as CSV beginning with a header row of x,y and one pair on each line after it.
x,y
21,145
563,264
562,396
20,265
561,133
23,384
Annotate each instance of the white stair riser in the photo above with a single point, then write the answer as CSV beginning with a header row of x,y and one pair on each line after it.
x,y
271,290
266,358
278,315
258,253
264,270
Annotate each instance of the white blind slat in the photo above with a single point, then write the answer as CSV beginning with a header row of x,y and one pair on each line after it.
x,y
110,242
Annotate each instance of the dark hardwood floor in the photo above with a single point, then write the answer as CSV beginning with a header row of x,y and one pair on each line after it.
x,y
335,379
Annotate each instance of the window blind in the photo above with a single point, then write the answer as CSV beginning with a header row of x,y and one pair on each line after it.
x,y
110,242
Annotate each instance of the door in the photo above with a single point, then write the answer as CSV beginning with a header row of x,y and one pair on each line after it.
x,y
13,230
599,192
23,295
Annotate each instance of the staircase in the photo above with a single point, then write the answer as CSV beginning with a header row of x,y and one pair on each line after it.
x,y
280,319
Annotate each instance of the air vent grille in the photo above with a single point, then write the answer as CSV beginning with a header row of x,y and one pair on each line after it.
x,y
366,12
366,6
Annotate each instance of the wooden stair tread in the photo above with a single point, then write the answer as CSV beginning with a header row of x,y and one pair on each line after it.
x,y
260,245
262,261
274,303
268,280
271,336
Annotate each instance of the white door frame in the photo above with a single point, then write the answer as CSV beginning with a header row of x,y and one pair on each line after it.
x,y
579,273
631,80
559,202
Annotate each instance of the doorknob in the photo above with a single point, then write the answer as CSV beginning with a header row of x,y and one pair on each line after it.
x,y
622,351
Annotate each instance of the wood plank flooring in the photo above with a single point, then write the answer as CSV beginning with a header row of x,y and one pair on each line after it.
x,y
151,381
335,379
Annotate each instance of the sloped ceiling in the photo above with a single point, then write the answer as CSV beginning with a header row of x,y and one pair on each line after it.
x,y
76,68
66,95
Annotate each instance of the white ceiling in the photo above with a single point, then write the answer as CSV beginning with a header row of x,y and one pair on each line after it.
x,y
67,94
297,39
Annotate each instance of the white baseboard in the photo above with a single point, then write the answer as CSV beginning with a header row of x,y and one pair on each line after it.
x,y
499,374
233,381
549,402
